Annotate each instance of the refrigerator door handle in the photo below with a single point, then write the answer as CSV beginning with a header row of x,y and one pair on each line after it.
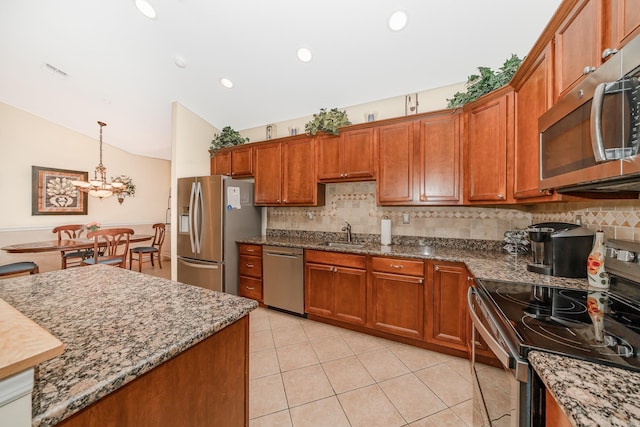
x,y
190,224
198,216
203,266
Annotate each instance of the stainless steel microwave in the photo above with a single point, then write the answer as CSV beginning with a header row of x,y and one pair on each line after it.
x,y
590,139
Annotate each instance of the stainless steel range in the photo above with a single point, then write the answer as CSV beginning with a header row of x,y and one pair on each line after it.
x,y
515,318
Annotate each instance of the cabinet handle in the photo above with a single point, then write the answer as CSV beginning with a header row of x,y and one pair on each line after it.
x,y
588,69
423,198
608,52
437,268
249,265
278,201
250,288
396,265
249,250
421,281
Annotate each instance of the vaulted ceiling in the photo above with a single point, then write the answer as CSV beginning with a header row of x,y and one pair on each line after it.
x,y
78,61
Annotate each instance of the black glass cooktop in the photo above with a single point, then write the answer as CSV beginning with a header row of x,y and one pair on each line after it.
x,y
597,326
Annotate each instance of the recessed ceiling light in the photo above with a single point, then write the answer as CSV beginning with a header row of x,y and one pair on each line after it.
x,y
226,82
180,62
398,20
146,8
304,54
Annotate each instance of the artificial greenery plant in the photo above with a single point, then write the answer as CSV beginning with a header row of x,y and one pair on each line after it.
x,y
488,80
227,138
327,121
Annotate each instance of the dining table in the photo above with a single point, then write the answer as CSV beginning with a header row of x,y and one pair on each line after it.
x,y
63,245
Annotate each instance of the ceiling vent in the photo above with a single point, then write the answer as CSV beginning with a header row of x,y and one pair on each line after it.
x,y
56,71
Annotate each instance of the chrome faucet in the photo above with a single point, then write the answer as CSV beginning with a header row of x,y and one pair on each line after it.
x,y
347,228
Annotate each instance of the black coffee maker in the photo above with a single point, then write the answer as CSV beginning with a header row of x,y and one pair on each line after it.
x,y
560,249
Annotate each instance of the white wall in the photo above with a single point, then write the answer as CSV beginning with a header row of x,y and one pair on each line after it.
x,y
27,140
428,100
190,142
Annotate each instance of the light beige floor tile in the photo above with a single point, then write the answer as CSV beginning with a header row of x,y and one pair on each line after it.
x,y
411,397
321,413
280,320
331,348
383,364
416,358
361,343
296,356
260,340
445,382
266,396
259,323
318,331
461,366
446,418
289,335
305,385
347,374
465,411
369,407
263,363
278,419
498,376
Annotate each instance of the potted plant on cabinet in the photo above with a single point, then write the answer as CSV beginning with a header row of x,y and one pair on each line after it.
x,y
327,121
229,137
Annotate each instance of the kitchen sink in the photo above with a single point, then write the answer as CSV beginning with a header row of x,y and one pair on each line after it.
x,y
343,245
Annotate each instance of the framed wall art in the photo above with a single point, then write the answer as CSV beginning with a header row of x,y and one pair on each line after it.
x,y
53,193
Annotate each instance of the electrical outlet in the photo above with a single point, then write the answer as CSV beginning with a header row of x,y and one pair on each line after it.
x,y
405,218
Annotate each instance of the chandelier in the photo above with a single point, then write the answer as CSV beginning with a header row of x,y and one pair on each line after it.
x,y
99,186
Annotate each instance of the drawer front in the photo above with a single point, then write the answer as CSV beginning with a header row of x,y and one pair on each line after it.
x,y
398,266
336,258
250,266
245,249
249,287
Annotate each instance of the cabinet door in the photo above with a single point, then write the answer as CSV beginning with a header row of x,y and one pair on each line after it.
x,y
268,174
350,287
532,100
486,150
329,158
397,304
319,290
357,154
625,21
447,322
395,167
577,45
250,266
250,287
242,161
221,163
299,185
440,159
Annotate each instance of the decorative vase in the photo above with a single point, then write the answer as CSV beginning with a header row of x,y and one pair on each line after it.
x,y
596,306
595,264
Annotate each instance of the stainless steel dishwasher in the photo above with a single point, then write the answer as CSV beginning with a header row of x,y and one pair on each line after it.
x,y
283,278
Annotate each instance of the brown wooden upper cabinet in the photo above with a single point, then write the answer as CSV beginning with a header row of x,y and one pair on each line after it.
x,y
395,164
488,135
285,173
236,162
578,44
625,23
347,157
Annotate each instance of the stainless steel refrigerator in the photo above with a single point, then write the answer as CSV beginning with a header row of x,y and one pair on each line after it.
x,y
213,212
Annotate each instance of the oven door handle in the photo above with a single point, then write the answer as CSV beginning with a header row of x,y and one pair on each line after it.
x,y
508,360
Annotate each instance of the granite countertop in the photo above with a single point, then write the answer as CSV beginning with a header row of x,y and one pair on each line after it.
x,y
590,394
116,325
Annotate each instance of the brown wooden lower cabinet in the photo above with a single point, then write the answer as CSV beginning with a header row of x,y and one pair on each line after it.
x,y
446,296
398,296
206,385
553,414
250,271
336,286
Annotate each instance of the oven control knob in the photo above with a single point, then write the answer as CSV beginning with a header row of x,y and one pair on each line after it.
x,y
625,350
625,256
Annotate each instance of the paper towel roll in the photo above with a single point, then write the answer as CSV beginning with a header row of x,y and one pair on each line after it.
x,y
385,231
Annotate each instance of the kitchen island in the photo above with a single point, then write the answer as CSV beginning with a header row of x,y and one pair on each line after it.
x,y
139,350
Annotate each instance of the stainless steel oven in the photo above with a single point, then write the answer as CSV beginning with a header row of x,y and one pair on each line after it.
x,y
500,399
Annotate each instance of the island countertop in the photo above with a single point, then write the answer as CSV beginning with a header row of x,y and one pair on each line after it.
x,y
116,325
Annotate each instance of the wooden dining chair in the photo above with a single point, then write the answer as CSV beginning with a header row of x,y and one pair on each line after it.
x,y
154,249
19,267
71,258
110,246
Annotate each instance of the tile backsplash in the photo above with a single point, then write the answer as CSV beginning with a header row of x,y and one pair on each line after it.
x,y
356,204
